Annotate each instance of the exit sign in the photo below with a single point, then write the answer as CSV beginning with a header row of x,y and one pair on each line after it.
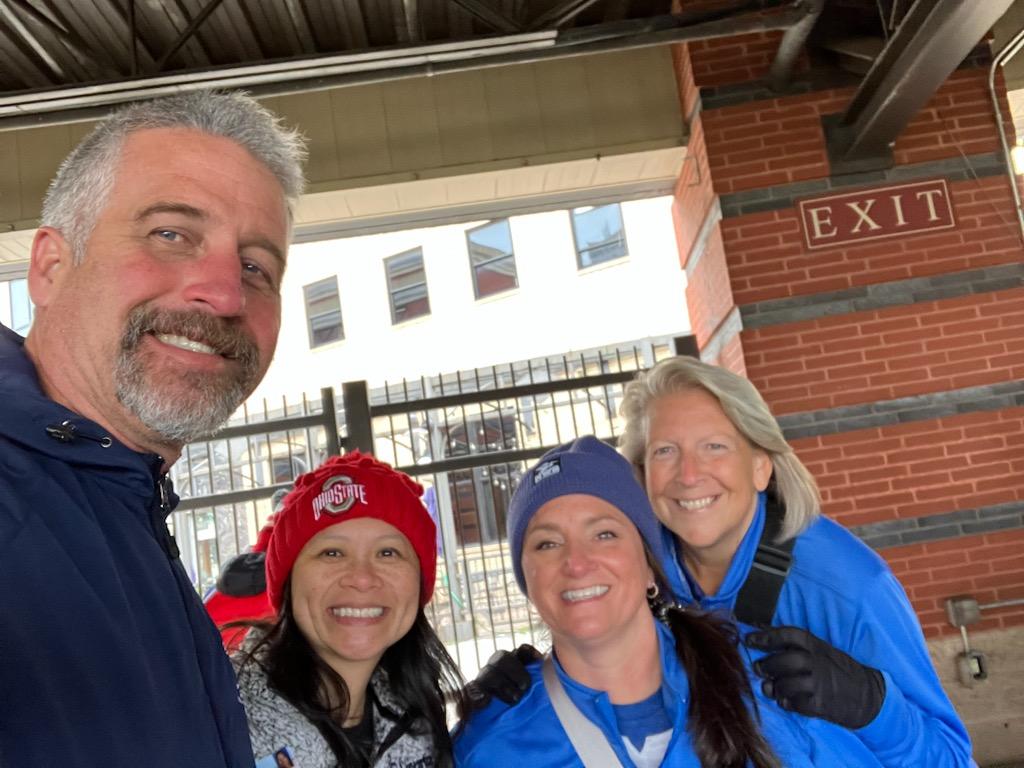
x,y
873,214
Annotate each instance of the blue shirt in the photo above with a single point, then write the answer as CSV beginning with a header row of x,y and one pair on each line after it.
x,y
530,733
644,718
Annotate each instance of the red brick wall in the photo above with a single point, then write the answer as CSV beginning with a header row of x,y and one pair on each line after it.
x,y
958,118
772,142
768,260
694,196
888,353
738,59
732,356
708,293
986,567
919,468
777,141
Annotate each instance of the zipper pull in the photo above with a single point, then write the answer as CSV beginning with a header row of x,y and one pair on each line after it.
x,y
66,432
160,525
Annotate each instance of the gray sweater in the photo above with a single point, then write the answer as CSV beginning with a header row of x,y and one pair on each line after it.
x,y
276,723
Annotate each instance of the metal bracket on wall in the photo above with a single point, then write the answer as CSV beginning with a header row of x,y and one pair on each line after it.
x,y
963,610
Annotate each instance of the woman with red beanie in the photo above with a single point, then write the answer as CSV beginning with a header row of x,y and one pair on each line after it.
x,y
350,673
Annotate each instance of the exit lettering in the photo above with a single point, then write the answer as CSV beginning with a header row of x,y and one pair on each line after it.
x,y
876,213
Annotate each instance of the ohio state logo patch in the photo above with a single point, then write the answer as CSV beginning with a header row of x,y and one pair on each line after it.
x,y
338,495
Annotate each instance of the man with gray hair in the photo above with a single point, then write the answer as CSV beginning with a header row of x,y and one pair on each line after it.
x,y
156,278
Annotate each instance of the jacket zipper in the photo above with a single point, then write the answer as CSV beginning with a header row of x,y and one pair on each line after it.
x,y
159,520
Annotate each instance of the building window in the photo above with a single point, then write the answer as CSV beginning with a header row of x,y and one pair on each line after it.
x,y
598,233
407,286
21,306
491,258
323,312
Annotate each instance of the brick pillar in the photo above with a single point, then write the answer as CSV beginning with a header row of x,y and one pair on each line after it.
x,y
714,317
896,366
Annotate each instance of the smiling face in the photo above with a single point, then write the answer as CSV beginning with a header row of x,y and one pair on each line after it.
x,y
171,318
355,591
702,474
586,572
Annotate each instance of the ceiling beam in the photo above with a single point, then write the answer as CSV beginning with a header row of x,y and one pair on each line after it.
x,y
933,39
322,73
81,53
489,16
560,14
10,12
187,33
411,14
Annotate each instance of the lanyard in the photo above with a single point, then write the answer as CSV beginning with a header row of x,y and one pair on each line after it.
x,y
586,738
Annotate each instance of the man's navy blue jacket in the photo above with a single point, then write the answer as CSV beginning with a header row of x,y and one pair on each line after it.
x,y
107,656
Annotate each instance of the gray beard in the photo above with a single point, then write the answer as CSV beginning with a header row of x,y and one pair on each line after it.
x,y
184,406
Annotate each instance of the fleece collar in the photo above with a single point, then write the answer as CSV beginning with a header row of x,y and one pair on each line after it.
x,y
686,588
43,426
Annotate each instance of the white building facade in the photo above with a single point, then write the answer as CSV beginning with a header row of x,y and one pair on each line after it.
x,y
419,302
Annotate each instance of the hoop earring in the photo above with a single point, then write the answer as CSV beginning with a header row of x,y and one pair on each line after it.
x,y
653,592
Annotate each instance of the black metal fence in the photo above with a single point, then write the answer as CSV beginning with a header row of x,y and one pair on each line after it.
x,y
467,437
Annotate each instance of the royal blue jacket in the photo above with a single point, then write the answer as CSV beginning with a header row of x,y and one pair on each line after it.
x,y
841,590
530,734
107,656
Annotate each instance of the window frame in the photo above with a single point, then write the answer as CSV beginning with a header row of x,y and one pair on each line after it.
x,y
511,256
391,290
575,239
309,318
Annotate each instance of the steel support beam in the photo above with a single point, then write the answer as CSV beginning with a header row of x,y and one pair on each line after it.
x,y
492,18
133,37
560,14
411,15
65,105
187,33
932,40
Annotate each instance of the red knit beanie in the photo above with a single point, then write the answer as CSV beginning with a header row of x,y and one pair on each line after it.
x,y
346,488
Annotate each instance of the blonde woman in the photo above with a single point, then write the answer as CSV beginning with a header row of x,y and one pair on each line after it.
x,y
845,646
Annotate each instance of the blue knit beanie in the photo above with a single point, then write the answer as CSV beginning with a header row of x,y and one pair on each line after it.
x,y
589,466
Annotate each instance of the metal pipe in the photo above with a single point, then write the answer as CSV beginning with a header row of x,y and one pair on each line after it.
x,y
61,106
250,74
1008,52
791,44
1002,604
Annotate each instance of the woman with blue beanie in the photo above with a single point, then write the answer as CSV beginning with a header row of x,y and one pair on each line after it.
x,y
630,681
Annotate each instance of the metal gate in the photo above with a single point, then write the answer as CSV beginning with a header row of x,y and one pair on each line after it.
x,y
467,437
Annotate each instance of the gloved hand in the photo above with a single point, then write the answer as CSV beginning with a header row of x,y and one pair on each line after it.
x,y
805,674
504,677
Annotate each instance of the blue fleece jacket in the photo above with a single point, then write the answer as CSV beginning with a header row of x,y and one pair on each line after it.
x,y
107,656
530,734
842,591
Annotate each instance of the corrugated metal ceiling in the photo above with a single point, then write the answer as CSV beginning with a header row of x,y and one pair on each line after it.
x,y
48,44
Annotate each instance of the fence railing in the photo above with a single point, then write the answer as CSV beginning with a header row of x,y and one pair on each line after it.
x,y
465,437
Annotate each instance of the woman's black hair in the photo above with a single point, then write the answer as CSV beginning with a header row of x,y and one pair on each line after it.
x,y
420,672
722,718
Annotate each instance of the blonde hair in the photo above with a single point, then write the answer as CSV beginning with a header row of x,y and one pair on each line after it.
x,y
794,485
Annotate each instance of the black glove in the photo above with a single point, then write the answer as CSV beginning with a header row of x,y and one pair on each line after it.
x,y
504,677
805,674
